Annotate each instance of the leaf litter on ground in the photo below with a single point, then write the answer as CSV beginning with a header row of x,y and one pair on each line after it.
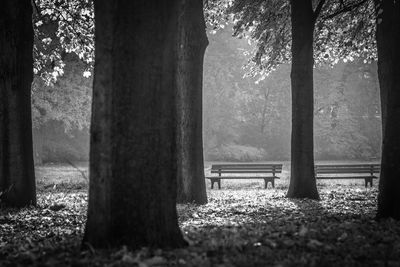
x,y
238,227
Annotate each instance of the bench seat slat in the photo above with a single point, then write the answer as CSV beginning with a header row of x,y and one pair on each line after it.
x,y
343,171
347,165
246,165
241,177
345,177
247,168
243,171
256,168
345,168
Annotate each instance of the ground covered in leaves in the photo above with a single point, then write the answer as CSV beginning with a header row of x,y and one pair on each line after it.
x,y
240,226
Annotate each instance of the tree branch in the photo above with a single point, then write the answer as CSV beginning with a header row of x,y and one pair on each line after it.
x,y
36,9
345,9
318,9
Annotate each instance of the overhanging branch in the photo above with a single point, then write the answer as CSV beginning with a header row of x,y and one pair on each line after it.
x,y
345,9
318,9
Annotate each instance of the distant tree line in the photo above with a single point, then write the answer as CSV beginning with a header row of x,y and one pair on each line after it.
x,y
246,120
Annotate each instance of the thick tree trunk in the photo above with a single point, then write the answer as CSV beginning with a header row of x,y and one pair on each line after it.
x,y
302,179
192,45
17,177
383,30
388,43
133,162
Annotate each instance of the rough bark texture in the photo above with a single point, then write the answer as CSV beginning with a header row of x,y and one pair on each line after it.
x,y
192,45
302,180
133,163
17,177
383,30
388,43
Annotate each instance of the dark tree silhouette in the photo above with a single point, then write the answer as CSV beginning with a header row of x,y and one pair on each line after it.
x,y
17,177
388,44
133,155
192,44
302,179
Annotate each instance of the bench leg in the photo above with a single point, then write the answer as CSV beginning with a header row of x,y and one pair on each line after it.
x,y
271,180
368,181
215,180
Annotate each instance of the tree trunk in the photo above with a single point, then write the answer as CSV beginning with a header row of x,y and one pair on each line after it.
x,y
192,45
302,180
388,43
383,30
133,162
17,177
38,140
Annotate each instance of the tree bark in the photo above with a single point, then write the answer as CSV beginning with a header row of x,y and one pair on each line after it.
x,y
192,45
17,177
388,43
133,155
383,30
302,180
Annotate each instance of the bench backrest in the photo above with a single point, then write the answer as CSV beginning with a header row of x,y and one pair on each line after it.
x,y
246,168
347,168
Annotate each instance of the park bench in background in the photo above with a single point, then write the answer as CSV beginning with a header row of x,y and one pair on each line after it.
x,y
245,171
348,171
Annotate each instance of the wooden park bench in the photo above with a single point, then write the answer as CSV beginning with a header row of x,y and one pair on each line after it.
x,y
348,171
245,171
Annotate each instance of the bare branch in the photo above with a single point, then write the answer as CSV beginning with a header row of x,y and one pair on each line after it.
x,y
36,9
318,9
345,9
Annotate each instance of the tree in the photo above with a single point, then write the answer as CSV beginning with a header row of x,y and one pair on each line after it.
x,y
191,46
302,178
61,114
388,43
133,155
67,100
347,111
17,177
268,24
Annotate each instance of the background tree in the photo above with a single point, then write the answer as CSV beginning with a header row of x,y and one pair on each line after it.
x,y
61,114
133,156
61,90
192,44
267,23
302,177
346,107
17,178
388,43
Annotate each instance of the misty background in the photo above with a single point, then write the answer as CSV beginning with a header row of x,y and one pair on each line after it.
x,y
244,118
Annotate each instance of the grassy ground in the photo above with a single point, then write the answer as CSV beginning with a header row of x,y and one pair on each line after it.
x,y
77,175
242,225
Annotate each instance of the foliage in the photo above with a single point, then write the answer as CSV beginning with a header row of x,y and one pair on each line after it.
x,y
347,111
63,62
240,112
62,27
238,227
267,24
67,100
233,152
